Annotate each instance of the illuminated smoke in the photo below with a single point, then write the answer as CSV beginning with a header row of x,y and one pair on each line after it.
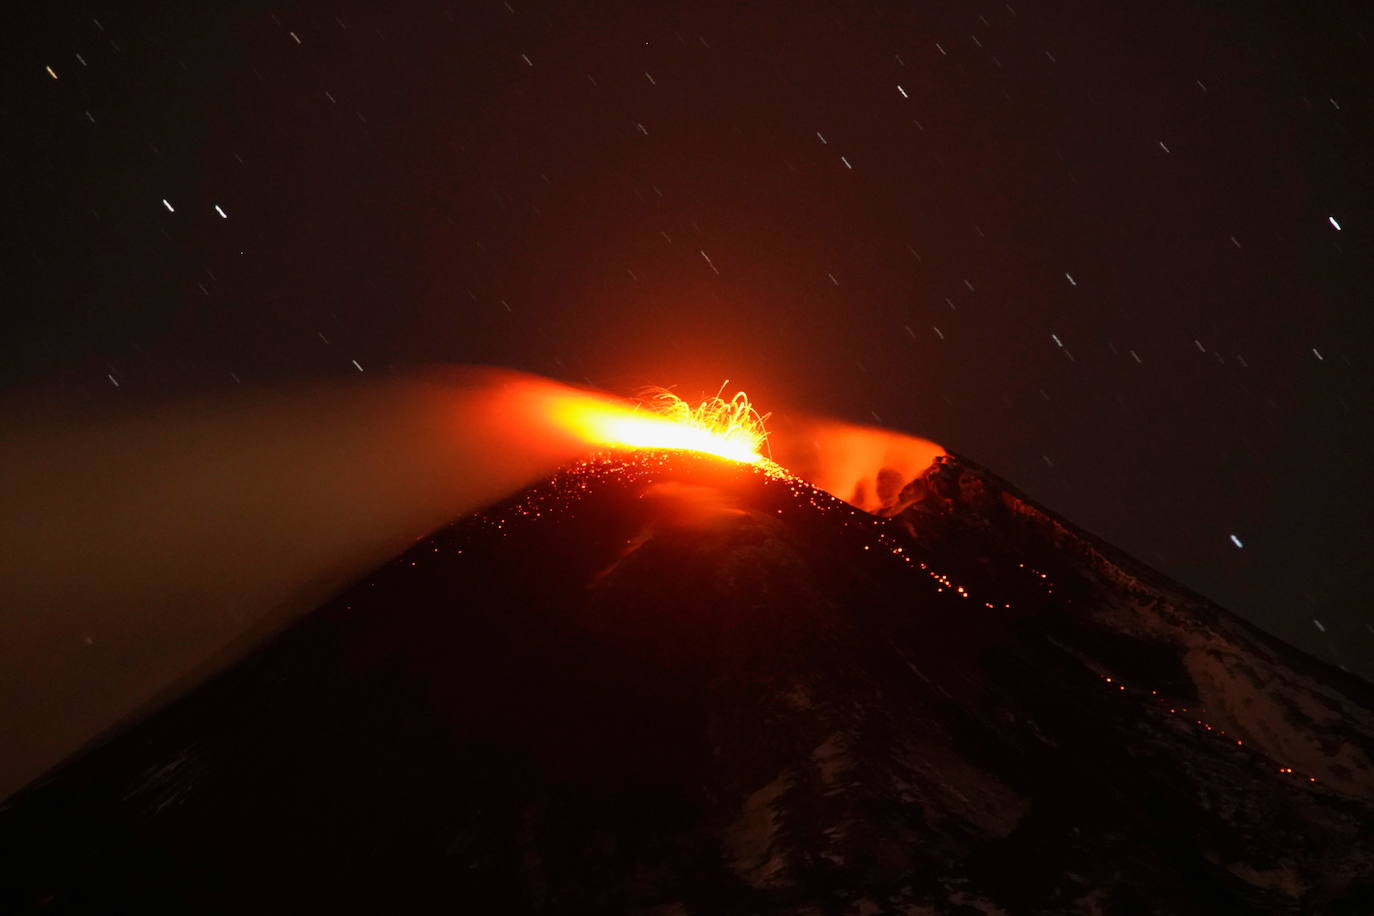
x,y
864,466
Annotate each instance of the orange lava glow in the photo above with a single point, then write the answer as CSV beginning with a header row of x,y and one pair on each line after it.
x,y
735,428
727,428
863,466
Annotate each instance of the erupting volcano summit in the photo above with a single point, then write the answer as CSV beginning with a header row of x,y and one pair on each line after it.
x,y
660,682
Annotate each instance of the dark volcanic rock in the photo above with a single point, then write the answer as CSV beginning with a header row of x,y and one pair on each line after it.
x,y
665,684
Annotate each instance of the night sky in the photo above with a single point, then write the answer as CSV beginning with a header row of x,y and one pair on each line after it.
x,y
1118,252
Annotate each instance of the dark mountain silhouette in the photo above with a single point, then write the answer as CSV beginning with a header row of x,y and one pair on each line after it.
x,y
661,683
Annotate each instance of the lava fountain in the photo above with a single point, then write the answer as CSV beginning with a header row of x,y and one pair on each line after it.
x,y
864,466
729,428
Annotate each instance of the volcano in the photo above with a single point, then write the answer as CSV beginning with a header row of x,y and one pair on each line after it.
x,y
666,683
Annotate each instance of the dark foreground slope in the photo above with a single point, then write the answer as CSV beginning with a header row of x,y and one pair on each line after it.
x,y
671,685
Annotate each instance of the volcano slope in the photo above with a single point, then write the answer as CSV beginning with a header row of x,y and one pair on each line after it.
x,y
663,683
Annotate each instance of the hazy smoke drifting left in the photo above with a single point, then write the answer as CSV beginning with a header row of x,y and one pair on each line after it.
x,y
140,548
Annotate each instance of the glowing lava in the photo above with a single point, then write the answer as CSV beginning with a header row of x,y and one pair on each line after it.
x,y
866,467
730,429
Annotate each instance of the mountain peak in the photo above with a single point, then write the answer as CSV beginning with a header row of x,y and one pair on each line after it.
x,y
666,683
